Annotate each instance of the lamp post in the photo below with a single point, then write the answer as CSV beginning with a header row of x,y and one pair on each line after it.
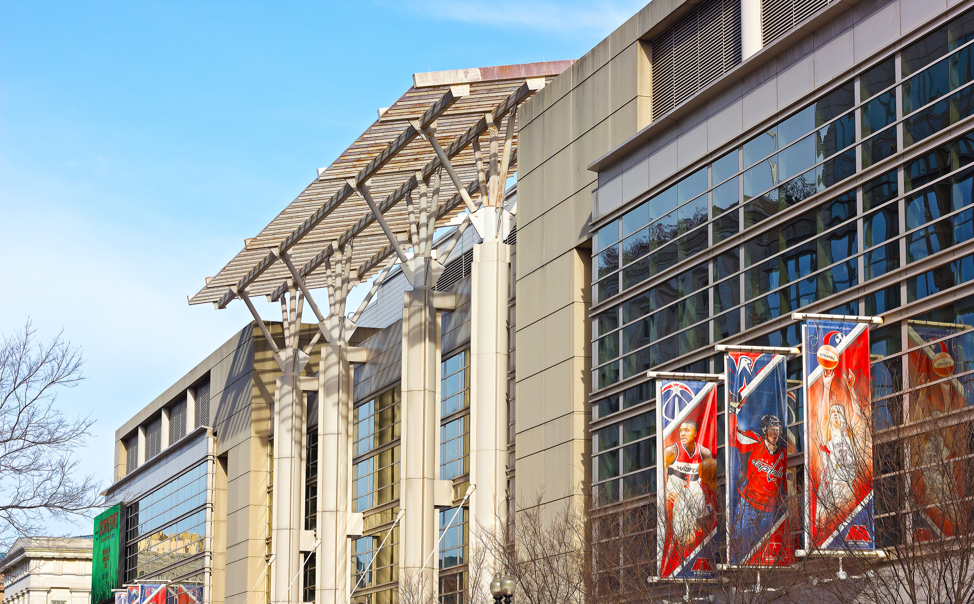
x,y
502,587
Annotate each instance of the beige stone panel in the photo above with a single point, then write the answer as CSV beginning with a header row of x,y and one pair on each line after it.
x,y
564,333
834,57
624,68
238,526
635,180
796,81
252,548
622,125
530,404
725,125
581,203
760,103
558,231
530,246
530,471
558,181
530,146
662,164
567,428
530,441
589,147
530,349
692,145
240,460
558,127
610,194
238,492
560,276
241,577
590,103
564,388
914,13
532,288
530,193
876,30
563,472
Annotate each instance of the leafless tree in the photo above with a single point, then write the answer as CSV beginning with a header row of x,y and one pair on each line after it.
x,y
38,469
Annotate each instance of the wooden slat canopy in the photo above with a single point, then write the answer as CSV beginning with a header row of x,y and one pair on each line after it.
x,y
391,155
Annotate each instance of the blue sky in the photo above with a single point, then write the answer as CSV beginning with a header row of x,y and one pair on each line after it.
x,y
141,142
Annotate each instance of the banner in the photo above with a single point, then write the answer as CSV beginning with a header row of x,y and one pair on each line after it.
x,y
757,460
152,593
106,554
937,483
121,596
838,436
687,415
133,594
186,593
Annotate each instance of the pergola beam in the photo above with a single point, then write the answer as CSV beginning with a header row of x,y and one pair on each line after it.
x,y
402,141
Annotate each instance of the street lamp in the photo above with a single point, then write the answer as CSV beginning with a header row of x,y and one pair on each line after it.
x,y
502,587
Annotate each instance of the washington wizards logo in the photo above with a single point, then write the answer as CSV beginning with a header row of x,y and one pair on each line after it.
x,y
833,338
676,397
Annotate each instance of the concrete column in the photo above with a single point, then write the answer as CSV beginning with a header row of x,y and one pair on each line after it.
x,y
420,378
288,521
750,28
164,430
488,401
190,410
334,474
140,441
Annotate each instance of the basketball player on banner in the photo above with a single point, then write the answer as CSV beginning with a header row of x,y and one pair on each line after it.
x,y
838,465
687,416
757,514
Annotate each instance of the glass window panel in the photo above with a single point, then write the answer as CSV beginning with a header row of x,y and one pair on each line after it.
x,y
607,288
692,185
608,235
797,158
726,264
883,75
638,394
761,208
639,456
663,203
881,226
930,240
961,104
693,280
726,226
692,214
608,374
725,167
727,295
835,137
636,335
883,301
926,86
760,248
834,104
962,189
727,325
882,260
693,243
879,147
878,113
726,196
760,178
637,307
796,126
606,438
636,273
636,246
761,279
960,68
926,122
635,220
639,427
608,406
839,168
607,321
608,347
799,189
925,50
607,465
607,262
837,245
664,258
928,205
638,484
879,190
759,147
960,30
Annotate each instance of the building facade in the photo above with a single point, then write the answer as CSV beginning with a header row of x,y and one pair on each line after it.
x,y
47,570
706,170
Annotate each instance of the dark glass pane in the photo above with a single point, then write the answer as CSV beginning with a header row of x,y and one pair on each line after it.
x,y
761,208
608,320
927,168
882,260
608,374
635,273
839,168
608,235
663,203
636,335
761,279
693,280
608,348
881,226
835,137
878,113
665,293
639,394
607,288
799,262
725,167
797,158
837,245
877,78
639,484
882,301
963,226
639,427
926,122
930,240
839,278
879,147
962,189
924,51
726,226
727,295
727,325
636,246
764,310
759,147
760,248
759,178
838,210
608,406
637,307
962,150
692,185
607,262
639,456
960,68
879,190
796,126
693,309
726,196
635,220
799,189
834,104
961,104
799,229
692,214
693,243
925,87
607,465
726,264
663,258
960,30
927,205
639,362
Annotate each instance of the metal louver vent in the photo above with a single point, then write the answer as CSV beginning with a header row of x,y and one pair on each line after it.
x,y
454,271
131,454
695,52
177,421
512,238
203,404
779,16
153,438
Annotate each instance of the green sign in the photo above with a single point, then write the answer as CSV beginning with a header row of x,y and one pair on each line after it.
x,y
106,555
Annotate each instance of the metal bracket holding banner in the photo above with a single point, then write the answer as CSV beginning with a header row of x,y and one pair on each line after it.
x,y
676,375
786,350
803,316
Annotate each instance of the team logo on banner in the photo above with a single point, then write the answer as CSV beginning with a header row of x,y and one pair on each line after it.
x,y
757,446
122,596
188,594
152,593
938,484
133,594
687,416
838,427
